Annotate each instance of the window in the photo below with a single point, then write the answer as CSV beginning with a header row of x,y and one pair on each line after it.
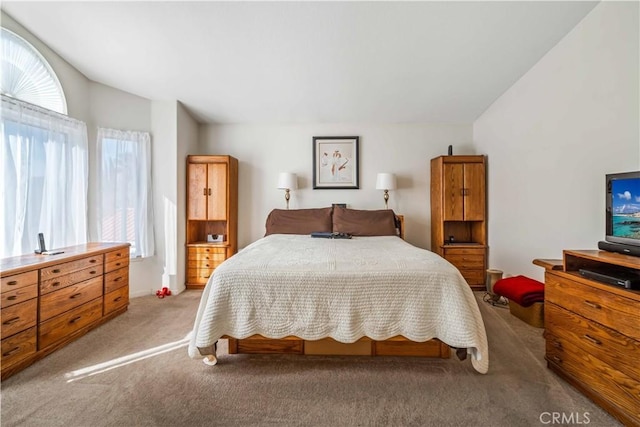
x,y
43,156
44,167
27,76
125,208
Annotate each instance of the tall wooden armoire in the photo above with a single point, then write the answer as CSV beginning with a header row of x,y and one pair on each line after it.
x,y
459,214
212,215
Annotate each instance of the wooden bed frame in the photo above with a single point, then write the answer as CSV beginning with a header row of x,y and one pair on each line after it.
x,y
396,346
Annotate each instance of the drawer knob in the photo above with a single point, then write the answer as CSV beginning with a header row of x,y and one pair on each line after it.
x,y
117,299
592,339
12,283
11,321
12,298
556,359
117,279
55,284
93,261
56,270
75,319
117,264
14,350
92,272
593,304
75,295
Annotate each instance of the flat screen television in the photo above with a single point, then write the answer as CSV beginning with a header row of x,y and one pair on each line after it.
x,y
623,208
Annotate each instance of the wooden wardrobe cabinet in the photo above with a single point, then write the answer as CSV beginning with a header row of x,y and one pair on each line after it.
x,y
458,214
212,215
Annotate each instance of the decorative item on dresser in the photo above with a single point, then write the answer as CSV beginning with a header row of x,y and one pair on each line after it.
x,y
212,215
49,301
458,214
593,331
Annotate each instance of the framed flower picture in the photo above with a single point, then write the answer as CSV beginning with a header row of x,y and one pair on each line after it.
x,y
335,162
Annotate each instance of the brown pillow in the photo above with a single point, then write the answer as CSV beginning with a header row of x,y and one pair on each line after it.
x,y
298,221
364,223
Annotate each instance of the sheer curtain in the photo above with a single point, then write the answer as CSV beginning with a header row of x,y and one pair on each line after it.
x,y
125,207
44,169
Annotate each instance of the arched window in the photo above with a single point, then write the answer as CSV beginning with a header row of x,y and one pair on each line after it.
x,y
27,76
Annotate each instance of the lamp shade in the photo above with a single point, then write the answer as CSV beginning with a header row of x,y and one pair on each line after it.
x,y
287,181
386,181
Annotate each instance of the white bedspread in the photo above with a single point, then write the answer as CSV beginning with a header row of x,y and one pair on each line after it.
x,y
345,289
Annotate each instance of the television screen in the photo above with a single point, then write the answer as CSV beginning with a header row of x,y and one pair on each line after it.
x,y
623,208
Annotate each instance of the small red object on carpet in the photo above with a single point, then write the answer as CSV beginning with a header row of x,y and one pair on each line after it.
x,y
520,289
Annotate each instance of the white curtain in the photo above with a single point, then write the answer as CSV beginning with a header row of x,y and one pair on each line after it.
x,y
125,207
44,169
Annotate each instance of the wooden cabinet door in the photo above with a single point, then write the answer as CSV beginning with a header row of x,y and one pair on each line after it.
x,y
197,191
217,191
474,192
452,199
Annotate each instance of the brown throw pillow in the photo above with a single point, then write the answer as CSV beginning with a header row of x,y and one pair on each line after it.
x,y
298,221
364,223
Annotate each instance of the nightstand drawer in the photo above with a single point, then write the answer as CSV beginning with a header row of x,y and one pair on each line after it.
x,y
19,346
606,308
60,327
16,281
60,282
58,302
201,252
463,251
474,277
199,275
70,267
466,262
202,263
18,317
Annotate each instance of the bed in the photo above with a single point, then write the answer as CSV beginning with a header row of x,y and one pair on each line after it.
x,y
372,292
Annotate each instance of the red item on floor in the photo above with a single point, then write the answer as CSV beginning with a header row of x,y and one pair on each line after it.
x,y
520,289
164,292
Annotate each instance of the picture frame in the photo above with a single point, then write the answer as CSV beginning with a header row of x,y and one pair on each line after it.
x,y
336,162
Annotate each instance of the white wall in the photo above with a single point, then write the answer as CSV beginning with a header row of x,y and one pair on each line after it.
x,y
553,136
265,150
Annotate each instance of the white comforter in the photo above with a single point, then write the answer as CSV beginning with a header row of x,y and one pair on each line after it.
x,y
345,289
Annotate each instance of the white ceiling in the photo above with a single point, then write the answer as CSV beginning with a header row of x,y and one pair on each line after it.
x,y
287,62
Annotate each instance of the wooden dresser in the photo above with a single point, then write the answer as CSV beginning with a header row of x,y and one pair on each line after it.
x,y
50,300
592,332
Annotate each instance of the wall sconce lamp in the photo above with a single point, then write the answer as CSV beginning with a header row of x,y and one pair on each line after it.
x,y
287,181
386,182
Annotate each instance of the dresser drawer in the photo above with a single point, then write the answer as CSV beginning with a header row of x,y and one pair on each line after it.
x,y
18,317
207,252
69,267
19,295
18,346
606,344
466,262
16,281
59,327
116,299
610,384
116,279
474,277
58,302
119,255
61,282
606,308
116,263
463,251
199,275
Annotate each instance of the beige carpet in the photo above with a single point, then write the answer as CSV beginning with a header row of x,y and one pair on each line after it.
x,y
169,389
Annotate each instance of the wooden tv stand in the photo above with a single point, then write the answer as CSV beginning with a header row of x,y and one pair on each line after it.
x,y
592,332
